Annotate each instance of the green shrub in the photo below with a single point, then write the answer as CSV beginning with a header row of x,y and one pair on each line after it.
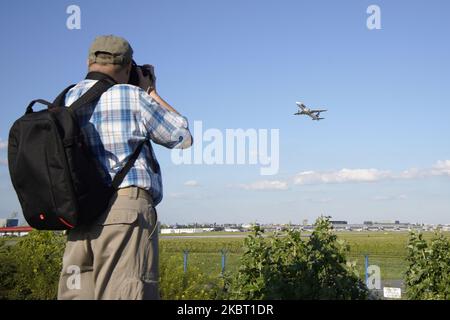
x,y
8,270
428,274
39,260
30,266
175,284
287,267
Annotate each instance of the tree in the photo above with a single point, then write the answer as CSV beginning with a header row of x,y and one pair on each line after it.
x,y
428,274
288,267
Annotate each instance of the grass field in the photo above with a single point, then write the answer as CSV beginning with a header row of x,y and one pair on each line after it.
x,y
384,249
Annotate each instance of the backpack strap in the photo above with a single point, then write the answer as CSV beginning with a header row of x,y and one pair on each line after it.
x,y
120,176
153,163
94,75
60,100
92,94
44,102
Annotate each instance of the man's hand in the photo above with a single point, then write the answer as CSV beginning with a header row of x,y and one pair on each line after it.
x,y
147,83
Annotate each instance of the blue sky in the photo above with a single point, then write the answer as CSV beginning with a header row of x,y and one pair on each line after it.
x,y
382,152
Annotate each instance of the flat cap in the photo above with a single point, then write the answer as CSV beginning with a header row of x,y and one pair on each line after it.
x,y
110,49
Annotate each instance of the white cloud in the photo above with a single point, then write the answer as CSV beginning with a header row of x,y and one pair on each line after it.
x,y
441,168
266,185
341,176
3,162
192,183
413,173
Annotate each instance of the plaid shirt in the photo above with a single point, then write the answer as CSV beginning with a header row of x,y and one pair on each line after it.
x,y
114,125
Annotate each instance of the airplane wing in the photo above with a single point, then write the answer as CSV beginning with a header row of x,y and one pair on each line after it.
x,y
301,105
318,111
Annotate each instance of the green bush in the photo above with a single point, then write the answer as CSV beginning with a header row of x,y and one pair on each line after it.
x,y
175,284
428,274
39,262
288,267
8,270
30,266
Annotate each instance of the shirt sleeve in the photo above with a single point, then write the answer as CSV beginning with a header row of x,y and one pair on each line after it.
x,y
164,127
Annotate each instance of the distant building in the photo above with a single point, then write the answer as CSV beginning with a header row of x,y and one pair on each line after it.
x,y
338,222
388,222
232,230
12,222
182,230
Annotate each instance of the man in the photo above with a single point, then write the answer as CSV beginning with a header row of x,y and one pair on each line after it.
x,y
117,256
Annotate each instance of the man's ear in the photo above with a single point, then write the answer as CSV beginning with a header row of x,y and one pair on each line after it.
x,y
129,68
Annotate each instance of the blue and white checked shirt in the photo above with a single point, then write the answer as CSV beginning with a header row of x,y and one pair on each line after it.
x,y
115,124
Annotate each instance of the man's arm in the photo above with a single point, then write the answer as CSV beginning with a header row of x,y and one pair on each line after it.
x,y
174,133
161,101
149,85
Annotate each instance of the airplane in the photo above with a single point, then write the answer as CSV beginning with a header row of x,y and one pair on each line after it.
x,y
314,114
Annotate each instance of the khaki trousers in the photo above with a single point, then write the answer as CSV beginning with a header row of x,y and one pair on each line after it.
x,y
117,256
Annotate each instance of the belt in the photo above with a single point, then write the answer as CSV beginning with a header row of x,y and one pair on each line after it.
x,y
135,193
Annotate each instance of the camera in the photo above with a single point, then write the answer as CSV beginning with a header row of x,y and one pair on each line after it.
x,y
147,71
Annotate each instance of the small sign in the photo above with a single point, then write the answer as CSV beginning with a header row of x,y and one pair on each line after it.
x,y
392,293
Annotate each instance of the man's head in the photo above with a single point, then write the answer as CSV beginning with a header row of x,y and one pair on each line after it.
x,y
111,55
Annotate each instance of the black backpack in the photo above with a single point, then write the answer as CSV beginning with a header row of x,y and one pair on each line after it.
x,y
57,181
